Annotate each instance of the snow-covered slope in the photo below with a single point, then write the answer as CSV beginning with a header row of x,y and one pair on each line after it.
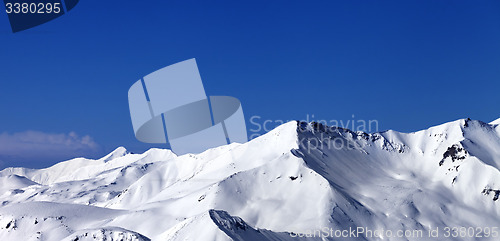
x,y
301,181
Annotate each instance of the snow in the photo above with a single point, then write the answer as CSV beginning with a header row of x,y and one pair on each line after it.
x,y
107,233
296,179
495,122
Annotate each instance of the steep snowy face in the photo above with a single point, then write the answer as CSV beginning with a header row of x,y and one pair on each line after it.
x,y
301,181
441,177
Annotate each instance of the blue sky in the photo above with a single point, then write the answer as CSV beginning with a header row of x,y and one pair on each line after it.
x,y
407,64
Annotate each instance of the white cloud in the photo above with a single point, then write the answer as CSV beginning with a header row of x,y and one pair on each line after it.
x,y
36,145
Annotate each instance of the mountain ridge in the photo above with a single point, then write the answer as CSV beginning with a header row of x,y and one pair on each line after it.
x,y
297,179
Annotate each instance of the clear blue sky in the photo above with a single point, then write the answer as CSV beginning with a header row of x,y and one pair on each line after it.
x,y
408,64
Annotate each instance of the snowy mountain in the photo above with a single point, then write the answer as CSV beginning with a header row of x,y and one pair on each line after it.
x,y
301,181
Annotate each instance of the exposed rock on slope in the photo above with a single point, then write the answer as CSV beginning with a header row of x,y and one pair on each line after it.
x,y
301,179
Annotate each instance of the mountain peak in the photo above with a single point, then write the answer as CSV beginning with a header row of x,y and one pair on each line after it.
x,y
290,181
118,152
